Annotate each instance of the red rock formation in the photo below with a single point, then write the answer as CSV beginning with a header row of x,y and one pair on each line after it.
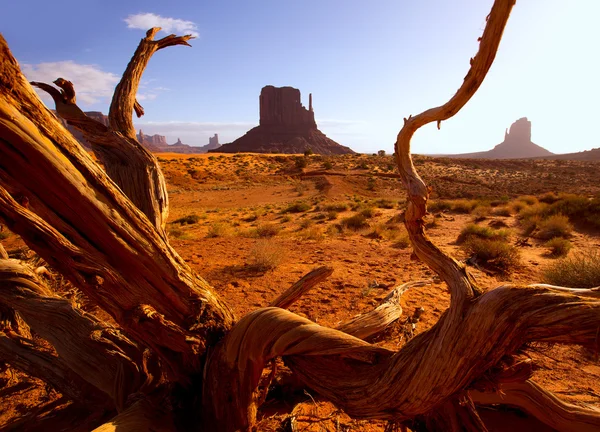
x,y
152,140
285,127
516,145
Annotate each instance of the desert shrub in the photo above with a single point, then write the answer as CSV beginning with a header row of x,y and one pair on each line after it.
x,y
481,213
371,183
402,242
554,226
297,207
381,153
548,198
578,208
337,206
482,232
464,206
306,223
355,222
528,199
300,162
535,210
497,255
368,212
251,218
267,230
578,270
439,206
559,246
218,229
501,211
384,203
530,224
266,255
332,215
308,152
384,231
327,165
312,233
503,200
4,235
187,220
286,219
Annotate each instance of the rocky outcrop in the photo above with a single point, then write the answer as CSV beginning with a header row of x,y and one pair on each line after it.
x,y
516,145
285,126
213,144
152,140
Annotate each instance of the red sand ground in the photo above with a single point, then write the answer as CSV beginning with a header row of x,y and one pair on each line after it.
x,y
237,196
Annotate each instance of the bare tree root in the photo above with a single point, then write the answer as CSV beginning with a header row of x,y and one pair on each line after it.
x,y
27,356
73,216
305,284
374,322
94,350
542,404
128,163
144,415
370,382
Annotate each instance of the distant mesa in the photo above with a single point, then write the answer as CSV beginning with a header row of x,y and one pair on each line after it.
x,y
285,126
213,144
516,145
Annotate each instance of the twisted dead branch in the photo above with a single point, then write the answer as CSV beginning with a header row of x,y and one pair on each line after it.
x,y
70,212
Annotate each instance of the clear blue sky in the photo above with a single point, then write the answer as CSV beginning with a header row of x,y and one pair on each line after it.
x,y
367,64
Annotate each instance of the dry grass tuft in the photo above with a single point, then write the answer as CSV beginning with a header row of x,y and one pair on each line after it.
x,y
266,255
578,270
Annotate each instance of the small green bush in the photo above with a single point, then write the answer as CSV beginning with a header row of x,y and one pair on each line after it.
x,y
464,206
439,206
355,222
501,211
266,255
385,203
559,246
402,242
336,206
578,270
187,220
482,232
298,207
327,165
496,255
554,226
218,229
368,212
267,230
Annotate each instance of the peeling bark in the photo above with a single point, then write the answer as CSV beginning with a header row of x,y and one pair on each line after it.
x,y
83,226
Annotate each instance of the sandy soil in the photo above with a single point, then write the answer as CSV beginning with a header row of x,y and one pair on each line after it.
x,y
242,204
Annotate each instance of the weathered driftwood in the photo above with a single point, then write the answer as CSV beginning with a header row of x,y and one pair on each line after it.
x,y
94,350
83,226
72,214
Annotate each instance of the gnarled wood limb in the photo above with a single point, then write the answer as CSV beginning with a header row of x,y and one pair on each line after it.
x,y
94,350
543,405
123,101
143,416
83,226
375,321
305,284
367,382
128,163
462,286
25,355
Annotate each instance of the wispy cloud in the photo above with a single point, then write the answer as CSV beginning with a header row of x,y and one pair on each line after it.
x,y
145,21
92,84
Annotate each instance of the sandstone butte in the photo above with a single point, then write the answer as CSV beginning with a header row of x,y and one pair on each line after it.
x,y
517,144
285,126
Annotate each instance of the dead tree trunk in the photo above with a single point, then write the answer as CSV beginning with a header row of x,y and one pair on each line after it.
x,y
177,356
